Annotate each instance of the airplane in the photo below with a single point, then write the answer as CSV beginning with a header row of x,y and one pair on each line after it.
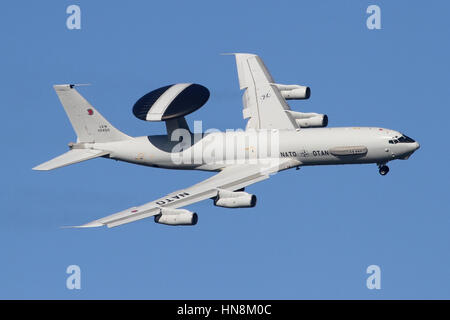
x,y
299,139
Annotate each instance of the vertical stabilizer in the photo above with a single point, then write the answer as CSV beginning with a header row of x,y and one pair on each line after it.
x,y
88,123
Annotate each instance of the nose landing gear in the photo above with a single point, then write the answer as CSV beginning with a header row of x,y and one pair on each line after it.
x,y
383,169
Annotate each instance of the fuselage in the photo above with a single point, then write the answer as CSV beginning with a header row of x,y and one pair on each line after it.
x,y
215,150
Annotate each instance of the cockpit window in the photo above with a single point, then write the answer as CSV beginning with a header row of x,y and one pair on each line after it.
x,y
405,139
402,139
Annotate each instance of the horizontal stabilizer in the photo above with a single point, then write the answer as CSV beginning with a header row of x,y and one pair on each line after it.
x,y
70,157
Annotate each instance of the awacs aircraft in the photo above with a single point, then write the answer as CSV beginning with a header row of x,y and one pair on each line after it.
x,y
299,139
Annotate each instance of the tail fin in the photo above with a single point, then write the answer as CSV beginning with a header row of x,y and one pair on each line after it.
x,y
88,123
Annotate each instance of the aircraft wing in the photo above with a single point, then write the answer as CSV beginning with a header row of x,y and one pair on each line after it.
x,y
263,103
231,178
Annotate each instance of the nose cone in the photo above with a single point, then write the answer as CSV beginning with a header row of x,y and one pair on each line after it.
x,y
410,149
414,146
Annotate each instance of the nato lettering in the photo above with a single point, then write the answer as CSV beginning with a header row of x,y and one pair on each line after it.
x,y
288,154
317,153
172,198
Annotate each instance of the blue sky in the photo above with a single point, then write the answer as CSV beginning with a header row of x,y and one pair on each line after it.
x,y
314,231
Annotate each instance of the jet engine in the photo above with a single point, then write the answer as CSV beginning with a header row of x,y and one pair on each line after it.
x,y
176,217
310,119
294,91
238,199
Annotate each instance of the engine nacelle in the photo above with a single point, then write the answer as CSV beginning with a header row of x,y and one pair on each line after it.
x,y
310,119
313,122
176,217
230,199
294,91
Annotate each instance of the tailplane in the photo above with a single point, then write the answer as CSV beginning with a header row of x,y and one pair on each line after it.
x,y
70,157
90,128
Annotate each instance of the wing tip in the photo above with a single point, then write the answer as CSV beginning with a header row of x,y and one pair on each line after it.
x,y
93,224
41,167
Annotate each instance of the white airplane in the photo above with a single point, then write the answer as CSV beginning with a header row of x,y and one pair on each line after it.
x,y
300,139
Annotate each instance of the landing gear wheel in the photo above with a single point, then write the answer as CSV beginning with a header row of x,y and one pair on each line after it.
x,y
384,170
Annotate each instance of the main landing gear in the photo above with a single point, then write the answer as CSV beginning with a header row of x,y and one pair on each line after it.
x,y
383,169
